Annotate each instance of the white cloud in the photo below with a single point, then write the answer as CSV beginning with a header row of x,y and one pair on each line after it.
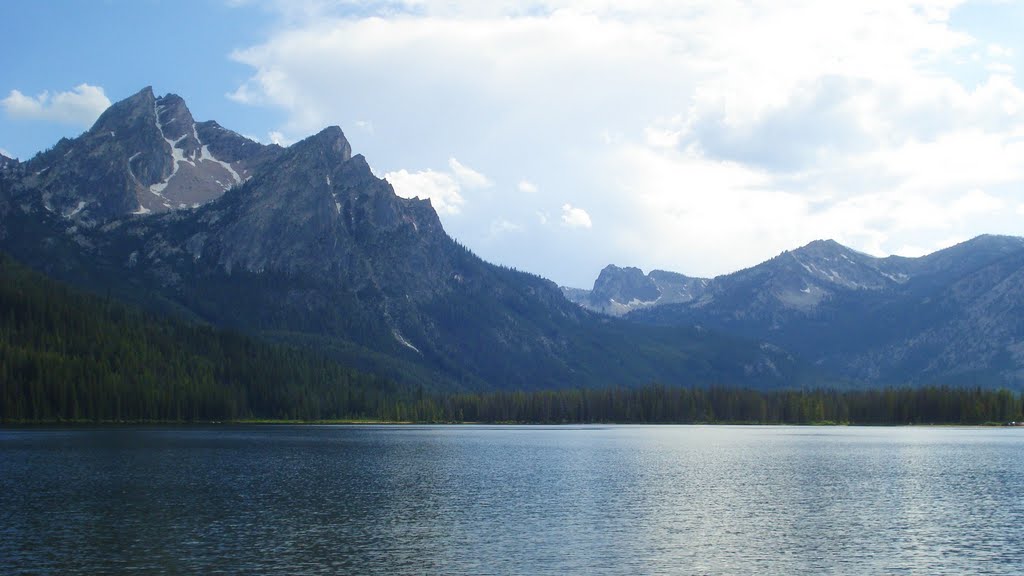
x,y
79,106
4,152
527,187
441,188
502,226
662,138
997,51
1000,69
683,195
573,217
976,202
278,138
467,177
703,136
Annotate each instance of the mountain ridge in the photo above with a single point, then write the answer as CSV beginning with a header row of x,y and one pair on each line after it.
x,y
311,247
946,316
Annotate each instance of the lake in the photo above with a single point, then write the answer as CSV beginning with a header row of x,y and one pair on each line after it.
x,y
511,500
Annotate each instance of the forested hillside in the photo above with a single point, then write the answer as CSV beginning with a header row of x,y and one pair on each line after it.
x,y
69,356
65,355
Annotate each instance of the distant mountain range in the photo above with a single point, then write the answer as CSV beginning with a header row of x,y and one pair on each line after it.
x,y
304,245
955,316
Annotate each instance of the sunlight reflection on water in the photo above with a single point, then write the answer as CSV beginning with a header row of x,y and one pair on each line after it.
x,y
512,500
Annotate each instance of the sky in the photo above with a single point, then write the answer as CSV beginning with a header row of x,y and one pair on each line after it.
x,y
700,137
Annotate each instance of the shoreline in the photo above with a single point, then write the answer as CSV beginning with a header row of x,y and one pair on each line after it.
x,y
370,422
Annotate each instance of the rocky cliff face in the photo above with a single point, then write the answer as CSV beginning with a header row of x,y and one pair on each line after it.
x,y
618,291
321,211
624,286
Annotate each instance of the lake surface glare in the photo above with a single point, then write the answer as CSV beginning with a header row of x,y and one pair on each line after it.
x,y
512,500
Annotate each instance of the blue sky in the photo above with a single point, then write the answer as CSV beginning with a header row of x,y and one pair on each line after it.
x,y
561,136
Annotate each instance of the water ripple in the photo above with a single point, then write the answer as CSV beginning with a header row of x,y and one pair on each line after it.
x,y
512,500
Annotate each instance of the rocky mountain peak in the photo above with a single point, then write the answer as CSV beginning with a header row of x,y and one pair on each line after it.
x,y
624,285
313,209
618,291
145,154
334,141
827,249
326,149
128,114
827,264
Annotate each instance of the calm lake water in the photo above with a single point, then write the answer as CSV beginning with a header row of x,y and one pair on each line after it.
x,y
512,500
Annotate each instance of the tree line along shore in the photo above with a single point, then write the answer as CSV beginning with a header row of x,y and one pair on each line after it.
x,y
67,356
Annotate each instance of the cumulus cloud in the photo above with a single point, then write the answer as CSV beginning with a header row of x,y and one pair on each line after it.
x,y
573,217
467,177
685,194
441,188
79,106
707,136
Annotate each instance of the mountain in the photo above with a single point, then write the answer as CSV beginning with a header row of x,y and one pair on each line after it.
x,y
305,245
65,355
144,154
618,291
10,173
949,317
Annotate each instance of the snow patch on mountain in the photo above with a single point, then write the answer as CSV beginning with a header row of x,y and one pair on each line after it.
x,y
78,208
401,340
177,155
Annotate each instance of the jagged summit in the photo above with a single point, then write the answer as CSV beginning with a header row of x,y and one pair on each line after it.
x,y
334,141
134,112
312,208
330,141
624,285
144,154
618,291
